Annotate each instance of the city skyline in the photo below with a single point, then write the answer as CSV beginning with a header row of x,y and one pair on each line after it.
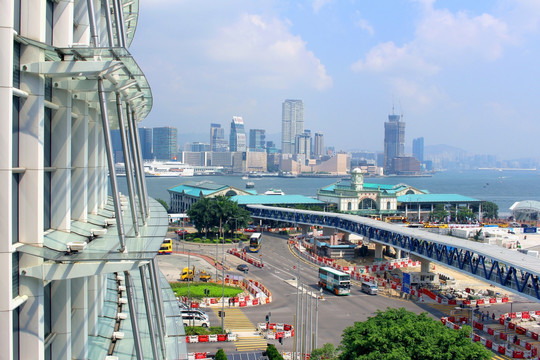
x,y
458,71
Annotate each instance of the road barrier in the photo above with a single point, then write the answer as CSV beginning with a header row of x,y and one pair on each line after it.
x,y
245,257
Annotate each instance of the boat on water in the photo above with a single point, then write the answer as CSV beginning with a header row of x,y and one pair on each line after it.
x,y
250,185
168,169
274,192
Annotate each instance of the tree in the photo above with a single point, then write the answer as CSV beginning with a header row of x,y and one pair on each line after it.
x,y
439,213
164,203
327,352
464,215
490,210
220,355
220,212
273,353
401,334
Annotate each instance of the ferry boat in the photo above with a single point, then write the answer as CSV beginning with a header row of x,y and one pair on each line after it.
x,y
250,185
274,192
168,169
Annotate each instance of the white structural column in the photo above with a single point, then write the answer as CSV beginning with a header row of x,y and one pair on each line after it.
x,y
61,319
93,178
378,252
103,178
61,160
93,303
79,162
6,94
31,199
79,318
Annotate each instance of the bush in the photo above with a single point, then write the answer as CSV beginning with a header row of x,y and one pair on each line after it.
x,y
200,330
273,353
220,355
196,290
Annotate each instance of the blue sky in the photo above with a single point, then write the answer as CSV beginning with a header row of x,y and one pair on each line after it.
x,y
463,73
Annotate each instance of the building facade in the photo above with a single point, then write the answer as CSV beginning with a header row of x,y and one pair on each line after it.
x,y
79,279
217,138
418,149
303,144
257,139
165,143
318,145
394,141
146,136
292,124
237,138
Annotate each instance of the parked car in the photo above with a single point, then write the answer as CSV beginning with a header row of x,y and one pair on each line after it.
x,y
242,267
182,306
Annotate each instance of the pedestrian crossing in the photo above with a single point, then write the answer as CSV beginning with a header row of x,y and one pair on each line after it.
x,y
237,322
500,357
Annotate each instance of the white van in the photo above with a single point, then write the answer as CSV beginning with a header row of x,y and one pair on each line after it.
x,y
194,312
370,288
195,320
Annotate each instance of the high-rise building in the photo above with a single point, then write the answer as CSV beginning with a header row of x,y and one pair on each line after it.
x,y
303,144
418,149
237,137
318,145
79,278
217,138
292,124
145,134
257,139
394,141
165,141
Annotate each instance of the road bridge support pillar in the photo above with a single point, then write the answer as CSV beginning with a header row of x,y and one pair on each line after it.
x,y
425,264
305,229
328,231
378,252
398,253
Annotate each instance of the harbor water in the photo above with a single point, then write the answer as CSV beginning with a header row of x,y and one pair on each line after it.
x,y
501,187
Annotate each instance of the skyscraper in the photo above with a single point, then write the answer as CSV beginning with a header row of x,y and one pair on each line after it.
x,y
237,139
257,139
303,144
394,140
217,138
145,134
292,124
165,140
318,145
418,149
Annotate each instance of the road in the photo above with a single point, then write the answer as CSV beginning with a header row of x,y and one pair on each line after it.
x,y
278,275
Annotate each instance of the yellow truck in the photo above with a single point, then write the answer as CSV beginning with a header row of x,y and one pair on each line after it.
x,y
188,274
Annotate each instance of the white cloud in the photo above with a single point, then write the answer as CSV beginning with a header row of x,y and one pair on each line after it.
x,y
318,4
365,25
267,54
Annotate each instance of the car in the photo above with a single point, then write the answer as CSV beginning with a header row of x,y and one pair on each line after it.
x,y
194,320
242,267
181,232
182,306
194,312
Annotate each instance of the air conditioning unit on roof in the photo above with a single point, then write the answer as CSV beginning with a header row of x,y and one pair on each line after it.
x,y
76,246
98,232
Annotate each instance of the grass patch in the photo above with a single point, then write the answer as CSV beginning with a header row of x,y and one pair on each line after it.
x,y
196,290
199,330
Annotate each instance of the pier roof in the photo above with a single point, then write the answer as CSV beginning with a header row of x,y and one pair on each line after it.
x,y
436,198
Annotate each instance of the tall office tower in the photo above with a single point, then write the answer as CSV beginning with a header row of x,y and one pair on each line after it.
x,y
165,141
303,144
78,264
418,149
394,140
292,124
318,145
217,138
237,137
257,139
145,134
117,146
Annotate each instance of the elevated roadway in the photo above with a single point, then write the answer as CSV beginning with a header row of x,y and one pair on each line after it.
x,y
508,269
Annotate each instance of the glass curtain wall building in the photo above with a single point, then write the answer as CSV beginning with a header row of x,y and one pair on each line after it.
x,y
257,139
238,135
292,124
79,277
165,143
394,141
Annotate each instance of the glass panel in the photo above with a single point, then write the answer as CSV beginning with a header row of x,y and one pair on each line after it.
x,y
49,22
47,138
47,201
17,16
15,208
16,64
15,328
15,274
15,133
47,310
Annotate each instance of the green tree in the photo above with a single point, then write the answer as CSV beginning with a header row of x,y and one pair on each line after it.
x,y
490,210
200,214
273,353
464,215
220,355
327,352
439,213
401,334
220,212
164,203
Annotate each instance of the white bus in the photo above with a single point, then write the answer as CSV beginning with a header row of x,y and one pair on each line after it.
x,y
336,281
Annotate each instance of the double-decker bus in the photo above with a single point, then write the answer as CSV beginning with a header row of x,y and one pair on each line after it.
x,y
255,242
166,247
336,281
